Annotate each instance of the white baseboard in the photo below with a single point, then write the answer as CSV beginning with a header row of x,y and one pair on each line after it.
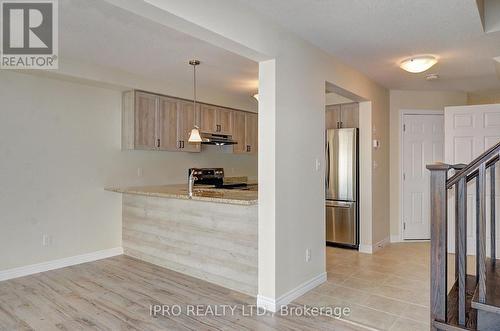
x,y
60,263
368,249
395,238
381,244
274,305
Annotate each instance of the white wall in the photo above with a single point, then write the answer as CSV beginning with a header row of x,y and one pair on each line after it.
x,y
296,100
59,147
410,100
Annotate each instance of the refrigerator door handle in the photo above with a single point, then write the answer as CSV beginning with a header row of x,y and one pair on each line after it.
x,y
327,167
339,204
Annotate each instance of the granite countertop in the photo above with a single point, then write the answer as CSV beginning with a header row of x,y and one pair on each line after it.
x,y
200,193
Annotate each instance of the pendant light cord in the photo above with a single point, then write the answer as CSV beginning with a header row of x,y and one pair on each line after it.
x,y
194,86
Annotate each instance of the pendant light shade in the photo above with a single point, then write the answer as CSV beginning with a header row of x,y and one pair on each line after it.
x,y
194,136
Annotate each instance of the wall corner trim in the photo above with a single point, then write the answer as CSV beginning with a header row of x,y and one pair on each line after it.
x,y
59,263
381,244
395,238
367,249
273,305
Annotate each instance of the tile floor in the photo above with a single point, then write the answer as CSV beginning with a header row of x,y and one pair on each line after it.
x,y
388,290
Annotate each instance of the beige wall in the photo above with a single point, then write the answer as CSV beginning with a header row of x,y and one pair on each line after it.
x,y
294,102
335,99
479,99
59,147
410,100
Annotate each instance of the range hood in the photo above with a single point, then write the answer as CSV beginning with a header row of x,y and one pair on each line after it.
x,y
216,139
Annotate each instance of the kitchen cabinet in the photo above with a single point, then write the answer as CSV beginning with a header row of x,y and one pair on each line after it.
x,y
245,132
342,116
251,133
332,119
153,122
239,119
186,120
167,124
216,120
145,121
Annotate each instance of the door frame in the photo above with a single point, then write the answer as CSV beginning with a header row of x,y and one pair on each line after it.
x,y
402,113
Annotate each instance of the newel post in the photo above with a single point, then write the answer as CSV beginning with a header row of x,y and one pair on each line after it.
x,y
438,195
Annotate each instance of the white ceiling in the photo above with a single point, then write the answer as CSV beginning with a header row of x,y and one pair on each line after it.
x,y
375,35
96,32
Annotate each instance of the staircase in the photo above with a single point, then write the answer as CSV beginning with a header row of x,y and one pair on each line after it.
x,y
473,303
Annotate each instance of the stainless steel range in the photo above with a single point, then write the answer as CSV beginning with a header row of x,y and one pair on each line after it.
x,y
212,176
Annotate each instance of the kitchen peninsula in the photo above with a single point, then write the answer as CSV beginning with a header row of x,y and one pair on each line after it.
x,y
211,236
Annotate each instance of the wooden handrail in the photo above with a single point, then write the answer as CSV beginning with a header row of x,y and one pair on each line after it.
x,y
440,184
486,156
489,164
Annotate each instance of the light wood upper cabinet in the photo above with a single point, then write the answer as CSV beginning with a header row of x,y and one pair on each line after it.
x,y
332,119
215,119
342,116
350,115
156,122
245,132
208,118
239,120
251,133
167,124
145,121
225,121
186,120
153,122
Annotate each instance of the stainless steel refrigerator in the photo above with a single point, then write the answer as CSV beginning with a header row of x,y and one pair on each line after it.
x,y
342,193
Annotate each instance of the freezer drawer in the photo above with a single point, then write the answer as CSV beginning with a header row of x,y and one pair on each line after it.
x,y
341,224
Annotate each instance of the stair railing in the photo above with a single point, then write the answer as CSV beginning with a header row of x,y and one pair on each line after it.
x,y
439,186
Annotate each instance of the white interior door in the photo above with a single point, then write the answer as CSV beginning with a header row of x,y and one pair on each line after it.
x,y
423,143
469,131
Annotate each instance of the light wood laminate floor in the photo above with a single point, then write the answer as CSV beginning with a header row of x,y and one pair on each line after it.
x,y
116,294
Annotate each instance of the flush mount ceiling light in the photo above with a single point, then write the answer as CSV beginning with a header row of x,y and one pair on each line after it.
x,y
194,136
418,63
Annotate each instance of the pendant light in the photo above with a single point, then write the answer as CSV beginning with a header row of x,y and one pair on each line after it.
x,y
194,136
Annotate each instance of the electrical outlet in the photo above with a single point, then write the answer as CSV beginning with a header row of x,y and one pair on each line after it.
x,y
46,240
308,254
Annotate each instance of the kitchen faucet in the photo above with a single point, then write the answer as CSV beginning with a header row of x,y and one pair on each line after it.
x,y
191,180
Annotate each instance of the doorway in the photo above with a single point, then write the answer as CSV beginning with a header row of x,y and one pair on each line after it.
x,y
422,144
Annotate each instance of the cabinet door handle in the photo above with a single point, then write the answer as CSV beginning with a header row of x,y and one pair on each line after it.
x,y
182,143
158,142
179,144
